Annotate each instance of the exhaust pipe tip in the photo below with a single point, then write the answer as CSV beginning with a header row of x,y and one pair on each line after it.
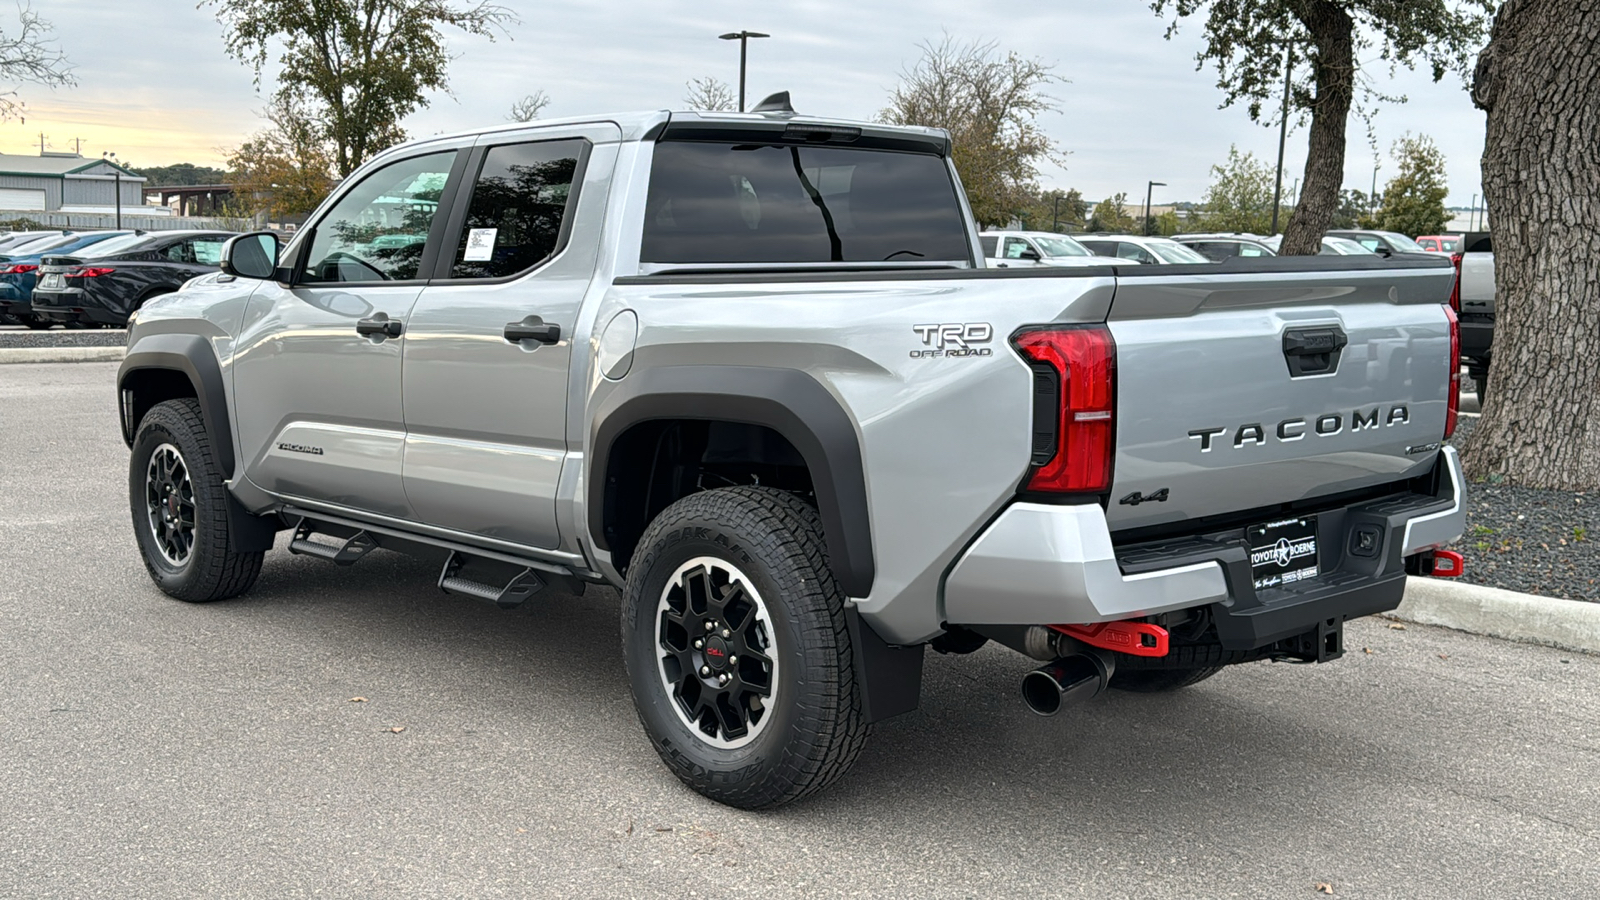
x,y
1075,678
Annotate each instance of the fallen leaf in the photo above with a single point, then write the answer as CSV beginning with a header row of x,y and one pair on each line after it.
x,y
668,828
397,729
1396,626
522,831
1324,888
1444,656
1368,649
356,700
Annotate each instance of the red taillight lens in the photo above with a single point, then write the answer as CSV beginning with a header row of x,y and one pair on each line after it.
x,y
90,272
1455,289
1453,406
1084,360
19,269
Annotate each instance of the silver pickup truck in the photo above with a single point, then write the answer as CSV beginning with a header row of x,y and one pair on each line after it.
x,y
751,371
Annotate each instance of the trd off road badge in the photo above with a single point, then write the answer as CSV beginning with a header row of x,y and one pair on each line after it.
x,y
953,340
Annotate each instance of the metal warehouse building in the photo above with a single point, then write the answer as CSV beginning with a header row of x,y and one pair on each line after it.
x,y
65,182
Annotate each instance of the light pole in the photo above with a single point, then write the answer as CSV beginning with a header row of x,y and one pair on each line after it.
x,y
1149,190
743,37
1283,135
116,172
1055,213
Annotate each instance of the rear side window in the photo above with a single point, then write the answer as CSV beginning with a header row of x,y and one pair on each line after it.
x,y
765,203
1135,252
990,244
519,204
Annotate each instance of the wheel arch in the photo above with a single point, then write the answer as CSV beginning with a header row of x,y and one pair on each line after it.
x,y
790,403
167,366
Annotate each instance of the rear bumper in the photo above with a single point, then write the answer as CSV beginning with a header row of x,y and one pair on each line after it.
x,y
1040,564
57,308
1477,335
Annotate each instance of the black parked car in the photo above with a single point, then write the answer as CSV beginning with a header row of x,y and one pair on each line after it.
x,y
103,283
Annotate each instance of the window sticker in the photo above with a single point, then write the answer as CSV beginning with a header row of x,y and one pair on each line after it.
x,y
480,244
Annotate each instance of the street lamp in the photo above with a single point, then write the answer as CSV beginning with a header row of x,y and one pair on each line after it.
x,y
1149,190
1283,135
116,172
743,37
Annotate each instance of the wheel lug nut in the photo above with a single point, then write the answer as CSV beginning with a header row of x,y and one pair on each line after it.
x,y
710,626
705,670
726,633
722,679
733,660
699,644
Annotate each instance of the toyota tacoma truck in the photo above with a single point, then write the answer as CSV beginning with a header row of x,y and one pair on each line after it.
x,y
751,371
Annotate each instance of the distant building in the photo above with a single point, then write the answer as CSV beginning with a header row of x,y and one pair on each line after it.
x,y
66,182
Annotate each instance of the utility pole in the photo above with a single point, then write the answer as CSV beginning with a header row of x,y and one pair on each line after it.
x,y
743,37
1055,213
1149,190
116,172
41,143
1283,136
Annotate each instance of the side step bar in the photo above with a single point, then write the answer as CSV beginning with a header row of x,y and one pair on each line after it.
x,y
515,593
345,554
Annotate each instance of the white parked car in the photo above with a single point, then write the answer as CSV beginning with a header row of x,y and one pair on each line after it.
x,y
1331,246
1006,249
1141,249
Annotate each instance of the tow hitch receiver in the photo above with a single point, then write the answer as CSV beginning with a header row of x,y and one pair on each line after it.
x,y
1132,638
1444,564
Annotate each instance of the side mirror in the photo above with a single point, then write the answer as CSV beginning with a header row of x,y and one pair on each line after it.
x,y
1029,253
253,255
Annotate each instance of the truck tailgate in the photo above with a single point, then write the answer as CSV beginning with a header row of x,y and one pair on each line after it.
x,y
1243,390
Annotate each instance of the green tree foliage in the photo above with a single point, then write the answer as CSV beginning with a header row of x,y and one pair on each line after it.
x,y
1111,215
355,68
1054,210
30,54
1246,40
1413,201
285,169
179,174
1240,196
990,104
1355,211
1169,223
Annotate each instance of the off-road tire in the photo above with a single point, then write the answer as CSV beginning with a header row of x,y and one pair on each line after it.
x,y
213,569
1155,681
817,727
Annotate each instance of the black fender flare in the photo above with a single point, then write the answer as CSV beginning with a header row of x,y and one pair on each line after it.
x,y
192,355
788,401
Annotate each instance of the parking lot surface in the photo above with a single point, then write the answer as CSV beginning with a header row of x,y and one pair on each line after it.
x,y
150,748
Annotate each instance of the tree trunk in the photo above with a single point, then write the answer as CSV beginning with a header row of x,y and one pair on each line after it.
x,y
1539,80
1333,32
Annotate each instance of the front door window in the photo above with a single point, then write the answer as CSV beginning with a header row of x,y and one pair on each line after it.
x,y
376,232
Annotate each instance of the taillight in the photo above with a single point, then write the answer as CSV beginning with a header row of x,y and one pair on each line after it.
x,y
1455,289
1083,361
18,269
89,272
1453,406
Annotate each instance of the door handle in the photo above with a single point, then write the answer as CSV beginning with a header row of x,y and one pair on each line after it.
x,y
380,325
532,328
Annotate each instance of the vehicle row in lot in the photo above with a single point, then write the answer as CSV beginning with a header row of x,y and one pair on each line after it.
x,y
97,278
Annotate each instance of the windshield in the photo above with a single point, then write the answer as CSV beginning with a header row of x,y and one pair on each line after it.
x,y
112,246
768,203
1402,243
39,245
1345,247
1174,252
1059,246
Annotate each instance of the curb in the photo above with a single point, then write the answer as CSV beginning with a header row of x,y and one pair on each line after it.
x,y
61,354
1568,624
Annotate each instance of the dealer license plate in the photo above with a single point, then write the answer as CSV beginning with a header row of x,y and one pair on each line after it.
x,y
1283,552
53,281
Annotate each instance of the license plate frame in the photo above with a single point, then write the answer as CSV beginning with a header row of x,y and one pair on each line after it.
x,y
1283,552
53,281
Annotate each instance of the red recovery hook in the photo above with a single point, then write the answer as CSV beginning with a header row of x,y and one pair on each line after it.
x,y
1130,637
1445,564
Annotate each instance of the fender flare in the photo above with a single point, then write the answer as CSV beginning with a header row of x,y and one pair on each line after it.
x,y
788,401
192,355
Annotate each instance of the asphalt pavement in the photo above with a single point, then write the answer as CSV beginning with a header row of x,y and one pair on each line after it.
x,y
150,748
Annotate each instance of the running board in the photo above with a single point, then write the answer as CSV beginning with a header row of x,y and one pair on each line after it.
x,y
515,592
345,554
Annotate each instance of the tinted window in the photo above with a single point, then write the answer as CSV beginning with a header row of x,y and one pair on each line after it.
x,y
377,231
748,203
518,204
1213,250
1481,244
990,244
1126,250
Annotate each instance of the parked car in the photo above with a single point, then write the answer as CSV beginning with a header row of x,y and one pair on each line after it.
x,y
1331,246
1218,247
649,351
102,283
1383,243
1004,249
1440,243
15,239
19,271
1152,251
1476,264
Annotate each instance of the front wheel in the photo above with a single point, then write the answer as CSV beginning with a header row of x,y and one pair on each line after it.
x,y
738,650
180,508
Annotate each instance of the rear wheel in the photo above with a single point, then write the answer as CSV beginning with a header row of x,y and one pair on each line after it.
x,y
1155,681
36,323
180,508
738,651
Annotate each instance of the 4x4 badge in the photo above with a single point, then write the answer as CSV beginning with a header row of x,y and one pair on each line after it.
x,y
1136,498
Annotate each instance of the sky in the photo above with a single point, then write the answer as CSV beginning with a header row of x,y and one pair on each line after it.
x,y
156,87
